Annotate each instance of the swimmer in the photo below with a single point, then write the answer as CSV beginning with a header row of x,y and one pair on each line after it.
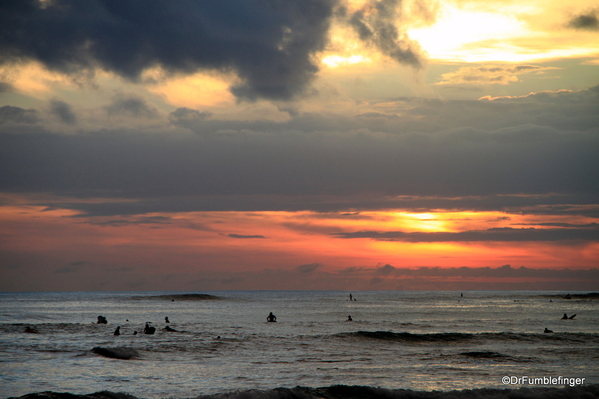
x,y
117,331
271,318
547,331
349,318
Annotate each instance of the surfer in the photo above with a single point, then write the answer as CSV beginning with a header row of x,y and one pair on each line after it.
x,y
148,329
565,317
350,297
102,320
30,330
117,331
349,318
168,328
547,331
271,318
166,320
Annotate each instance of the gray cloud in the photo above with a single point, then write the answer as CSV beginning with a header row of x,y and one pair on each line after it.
x,y
535,154
588,21
309,268
377,27
63,111
187,118
268,43
5,87
244,236
129,105
9,113
494,234
132,221
505,271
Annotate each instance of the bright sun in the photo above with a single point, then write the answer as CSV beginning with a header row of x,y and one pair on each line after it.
x,y
454,34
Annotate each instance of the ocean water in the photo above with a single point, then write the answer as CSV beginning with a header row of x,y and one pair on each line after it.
x,y
421,341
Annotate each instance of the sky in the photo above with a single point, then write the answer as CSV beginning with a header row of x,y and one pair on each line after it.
x,y
299,145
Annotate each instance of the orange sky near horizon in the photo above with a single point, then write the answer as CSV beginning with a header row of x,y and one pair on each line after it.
x,y
252,241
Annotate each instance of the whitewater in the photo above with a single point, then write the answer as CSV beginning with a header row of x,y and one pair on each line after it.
x,y
222,342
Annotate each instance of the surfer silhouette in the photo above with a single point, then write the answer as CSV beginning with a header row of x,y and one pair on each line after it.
x,y
349,318
30,330
271,318
547,331
102,320
148,329
166,320
117,331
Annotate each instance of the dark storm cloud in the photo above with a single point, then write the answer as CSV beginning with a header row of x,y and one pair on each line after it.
x,y
377,27
269,43
588,21
501,234
63,111
18,115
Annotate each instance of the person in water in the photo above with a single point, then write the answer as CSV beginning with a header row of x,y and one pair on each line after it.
x,y
102,320
117,331
148,329
271,318
547,331
166,320
349,318
30,330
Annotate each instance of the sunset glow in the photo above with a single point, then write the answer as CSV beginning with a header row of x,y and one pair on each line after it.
x,y
349,145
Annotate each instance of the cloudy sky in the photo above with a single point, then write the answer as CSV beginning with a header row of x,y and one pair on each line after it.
x,y
310,144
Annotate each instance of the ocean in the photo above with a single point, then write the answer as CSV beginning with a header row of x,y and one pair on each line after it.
x,y
397,340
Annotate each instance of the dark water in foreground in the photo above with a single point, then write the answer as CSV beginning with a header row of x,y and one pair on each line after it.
x,y
421,341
